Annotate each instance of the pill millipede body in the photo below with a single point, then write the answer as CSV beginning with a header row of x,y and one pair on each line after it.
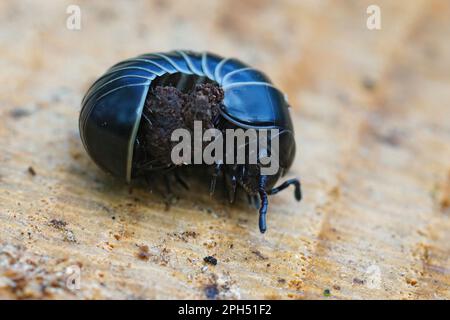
x,y
112,111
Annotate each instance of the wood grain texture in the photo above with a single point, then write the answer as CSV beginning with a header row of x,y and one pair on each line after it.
x,y
371,112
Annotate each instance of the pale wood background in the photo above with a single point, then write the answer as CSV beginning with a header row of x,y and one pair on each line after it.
x,y
372,118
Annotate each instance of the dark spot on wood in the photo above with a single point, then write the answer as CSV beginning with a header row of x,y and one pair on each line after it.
x,y
210,260
19,113
336,287
58,224
369,83
211,291
412,282
259,254
143,253
31,171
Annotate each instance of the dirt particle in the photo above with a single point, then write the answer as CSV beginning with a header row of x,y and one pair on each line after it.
x,y
334,192
76,155
156,254
259,254
392,138
61,225
358,281
211,291
58,224
368,83
184,236
336,287
210,244
143,253
211,260
19,113
295,284
411,281
31,171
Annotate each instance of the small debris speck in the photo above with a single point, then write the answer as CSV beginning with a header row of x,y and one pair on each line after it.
x,y
411,281
31,171
19,113
368,83
336,287
259,254
211,291
58,224
210,260
143,253
326,293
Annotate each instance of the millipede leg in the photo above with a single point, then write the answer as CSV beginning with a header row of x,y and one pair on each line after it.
x,y
212,185
233,189
149,182
263,211
230,186
284,185
234,173
167,184
264,204
181,181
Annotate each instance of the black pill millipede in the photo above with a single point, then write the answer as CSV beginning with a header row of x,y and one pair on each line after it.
x,y
118,105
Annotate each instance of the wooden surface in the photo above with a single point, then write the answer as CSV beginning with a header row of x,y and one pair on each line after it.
x,y
372,119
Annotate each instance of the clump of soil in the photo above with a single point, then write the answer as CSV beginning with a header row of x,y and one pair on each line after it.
x,y
61,225
184,236
160,117
202,104
166,109
58,224
143,253
411,281
31,171
210,260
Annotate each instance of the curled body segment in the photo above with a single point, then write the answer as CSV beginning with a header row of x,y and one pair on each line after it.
x,y
112,107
